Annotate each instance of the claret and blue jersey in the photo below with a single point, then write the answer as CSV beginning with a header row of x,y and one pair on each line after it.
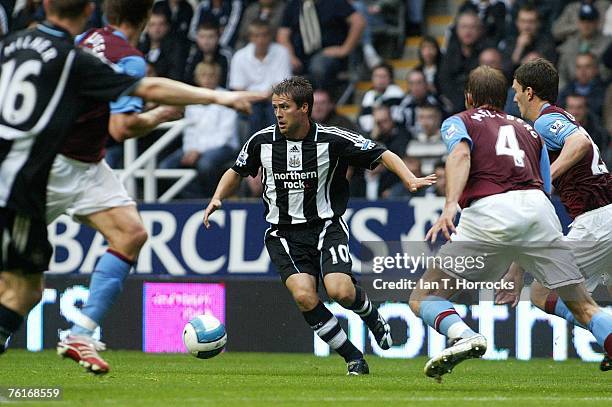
x,y
506,153
554,127
587,185
112,46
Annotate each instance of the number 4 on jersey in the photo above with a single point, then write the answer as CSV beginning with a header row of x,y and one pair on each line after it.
x,y
507,144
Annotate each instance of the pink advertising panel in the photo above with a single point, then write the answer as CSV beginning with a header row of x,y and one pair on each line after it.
x,y
169,306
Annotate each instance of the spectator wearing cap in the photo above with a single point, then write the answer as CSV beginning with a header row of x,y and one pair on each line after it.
x,y
567,24
587,83
588,39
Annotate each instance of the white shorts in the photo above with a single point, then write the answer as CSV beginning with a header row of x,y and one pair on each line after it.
x,y
519,226
591,237
76,188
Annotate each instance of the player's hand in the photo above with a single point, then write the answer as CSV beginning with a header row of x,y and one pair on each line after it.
x,y
416,183
210,209
513,277
444,224
241,100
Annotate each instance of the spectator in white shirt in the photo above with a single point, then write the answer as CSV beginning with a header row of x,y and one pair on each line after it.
x,y
258,66
210,140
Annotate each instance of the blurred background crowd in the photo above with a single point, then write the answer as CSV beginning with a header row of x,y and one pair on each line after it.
x,y
390,69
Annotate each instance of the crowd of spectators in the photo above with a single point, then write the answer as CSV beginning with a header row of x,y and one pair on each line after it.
x,y
254,44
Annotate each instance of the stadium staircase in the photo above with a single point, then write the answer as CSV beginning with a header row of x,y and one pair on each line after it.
x,y
439,14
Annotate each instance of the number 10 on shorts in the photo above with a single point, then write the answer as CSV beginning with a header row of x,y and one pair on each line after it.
x,y
343,252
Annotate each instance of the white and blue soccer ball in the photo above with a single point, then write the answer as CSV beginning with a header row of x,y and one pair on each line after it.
x,y
204,336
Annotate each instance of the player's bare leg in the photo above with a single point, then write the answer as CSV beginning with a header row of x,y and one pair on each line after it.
x,y
433,307
123,229
302,287
340,288
19,293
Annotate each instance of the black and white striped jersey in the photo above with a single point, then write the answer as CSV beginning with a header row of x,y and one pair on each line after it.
x,y
305,180
45,83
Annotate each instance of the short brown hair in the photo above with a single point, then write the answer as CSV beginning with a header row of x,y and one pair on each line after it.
x,y
260,23
68,8
298,89
488,86
541,76
132,12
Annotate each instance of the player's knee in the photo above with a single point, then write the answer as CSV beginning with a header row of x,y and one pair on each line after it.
x,y
305,299
343,295
133,237
414,302
139,236
538,295
28,292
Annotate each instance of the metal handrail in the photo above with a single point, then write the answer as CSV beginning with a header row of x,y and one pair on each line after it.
x,y
144,166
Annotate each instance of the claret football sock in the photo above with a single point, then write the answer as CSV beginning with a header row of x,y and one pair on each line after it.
x,y
440,314
326,326
555,306
106,284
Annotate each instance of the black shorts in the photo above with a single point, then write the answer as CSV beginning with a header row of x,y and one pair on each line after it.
x,y
23,243
318,249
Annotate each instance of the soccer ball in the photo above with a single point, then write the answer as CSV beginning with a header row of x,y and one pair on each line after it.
x,y
204,336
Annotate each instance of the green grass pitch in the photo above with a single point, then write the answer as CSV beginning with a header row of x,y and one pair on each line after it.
x,y
257,379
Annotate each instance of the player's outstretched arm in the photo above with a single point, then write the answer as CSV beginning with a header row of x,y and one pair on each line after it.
x,y
228,184
123,126
576,146
168,92
457,170
395,164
